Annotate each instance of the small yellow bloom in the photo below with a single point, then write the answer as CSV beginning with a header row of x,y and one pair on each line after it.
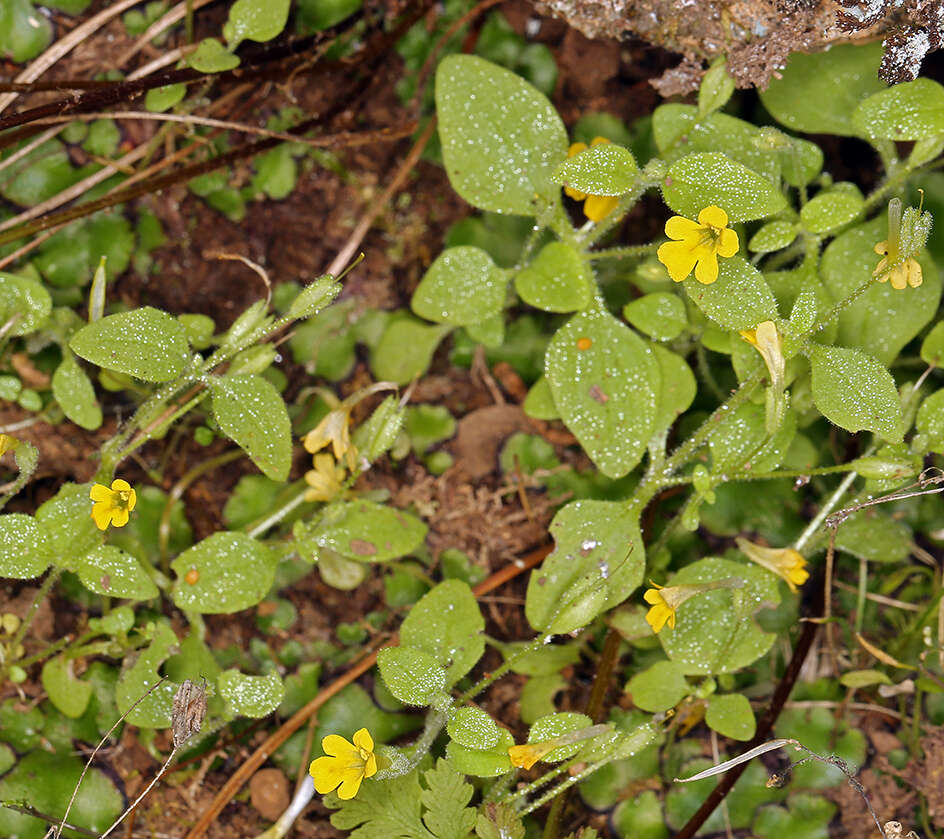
x,y
525,756
663,607
334,430
112,506
595,207
698,245
766,340
7,444
907,273
325,479
345,764
784,562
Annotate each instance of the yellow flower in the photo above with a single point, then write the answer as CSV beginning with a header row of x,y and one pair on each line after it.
x,y
766,340
325,479
595,207
7,444
784,562
345,764
663,607
525,756
334,430
907,273
112,506
697,245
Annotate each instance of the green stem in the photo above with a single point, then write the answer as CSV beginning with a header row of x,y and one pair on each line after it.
x,y
628,252
503,668
861,591
827,508
41,595
276,516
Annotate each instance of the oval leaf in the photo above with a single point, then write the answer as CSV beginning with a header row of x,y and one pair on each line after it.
x,y
225,573
24,553
23,299
250,411
659,687
74,393
731,716
250,696
832,209
710,178
369,532
907,111
501,137
474,729
146,343
739,299
854,391
412,676
462,286
69,694
558,280
605,382
603,169
112,572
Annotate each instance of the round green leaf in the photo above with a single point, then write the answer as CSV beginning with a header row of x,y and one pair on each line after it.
x,y
411,675
112,572
772,237
501,137
930,421
660,315
69,694
713,179
932,347
24,553
608,392
818,92
446,623
66,521
24,299
463,286
741,442
405,350
74,393
874,536
831,209
250,411
255,20
739,299
598,561
250,696
554,725
659,687
907,111
640,818
856,392
558,280
864,678
539,403
225,573
731,716
369,532
715,631
146,343
154,711
603,169
473,728
482,763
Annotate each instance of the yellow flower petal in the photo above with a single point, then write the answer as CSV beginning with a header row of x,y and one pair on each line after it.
x,y
597,140
7,443
881,248
363,740
576,148
326,773
576,194
713,216
336,746
101,514
706,269
598,207
350,784
678,258
99,492
119,485
119,517
132,499
678,227
728,244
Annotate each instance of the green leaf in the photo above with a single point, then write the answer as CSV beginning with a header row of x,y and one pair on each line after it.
x,y
710,178
856,392
24,32
539,403
316,15
820,731
25,301
24,553
537,696
806,815
598,562
555,725
883,319
446,623
906,111
69,694
411,675
739,299
557,280
659,687
731,716
499,821
66,521
462,286
445,800
225,573
473,728
155,709
640,818
717,86
146,343
660,315
832,208
741,441
111,572
875,536
715,631
863,678
801,161
932,347
250,696
603,169
678,131
678,388
608,392
74,393
405,350
836,80
250,411
388,808
212,57
71,256
160,99
255,20
772,237
501,149
368,532
276,173
482,763
929,421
